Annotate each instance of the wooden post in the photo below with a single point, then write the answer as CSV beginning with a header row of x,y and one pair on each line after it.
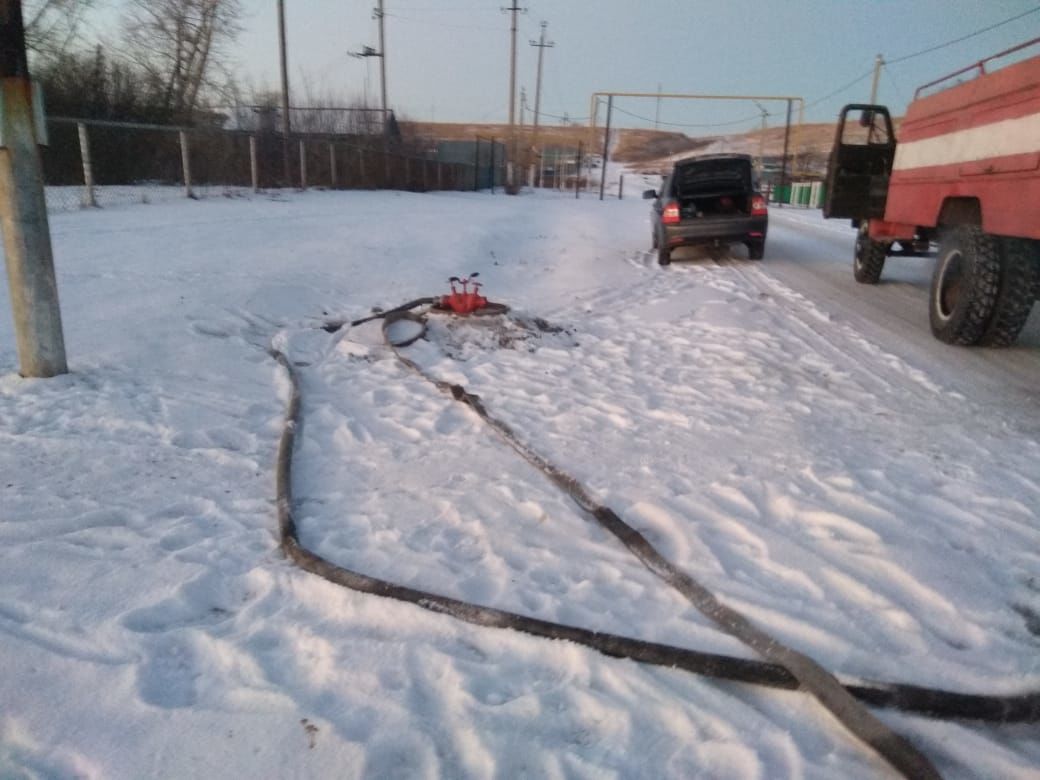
x,y
186,165
89,196
303,165
606,148
254,167
492,165
361,168
577,171
332,164
32,284
621,187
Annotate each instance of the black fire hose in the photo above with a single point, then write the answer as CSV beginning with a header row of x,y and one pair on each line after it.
x,y
790,669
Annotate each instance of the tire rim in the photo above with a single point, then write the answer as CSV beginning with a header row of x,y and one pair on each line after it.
x,y
948,290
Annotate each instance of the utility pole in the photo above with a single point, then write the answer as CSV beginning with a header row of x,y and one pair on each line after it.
x,y
523,106
23,208
367,51
878,62
514,9
762,137
286,170
542,45
783,163
606,147
382,59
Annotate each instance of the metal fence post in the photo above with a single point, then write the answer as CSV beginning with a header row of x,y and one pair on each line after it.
x,y
425,178
303,165
407,173
361,168
440,175
186,164
89,196
332,164
621,187
254,168
492,165
386,167
476,165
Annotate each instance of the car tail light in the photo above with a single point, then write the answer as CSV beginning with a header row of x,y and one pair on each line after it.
x,y
758,206
670,214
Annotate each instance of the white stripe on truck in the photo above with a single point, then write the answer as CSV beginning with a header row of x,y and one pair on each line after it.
x,y
998,139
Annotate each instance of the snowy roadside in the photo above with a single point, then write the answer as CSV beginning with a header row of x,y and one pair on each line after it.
x,y
150,626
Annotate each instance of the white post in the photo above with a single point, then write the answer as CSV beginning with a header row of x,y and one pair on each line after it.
x,y
186,165
89,197
254,168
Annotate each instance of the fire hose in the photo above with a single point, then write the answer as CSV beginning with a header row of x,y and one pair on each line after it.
x,y
784,668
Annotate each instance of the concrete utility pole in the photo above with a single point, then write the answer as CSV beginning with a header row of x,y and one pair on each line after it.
x,y
606,148
23,208
380,15
286,166
367,51
878,62
542,45
514,9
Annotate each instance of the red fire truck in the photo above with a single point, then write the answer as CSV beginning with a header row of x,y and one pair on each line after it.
x,y
965,175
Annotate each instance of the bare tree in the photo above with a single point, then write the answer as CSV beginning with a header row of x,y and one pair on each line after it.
x,y
52,25
180,44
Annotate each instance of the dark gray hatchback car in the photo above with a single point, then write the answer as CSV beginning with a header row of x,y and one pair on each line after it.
x,y
709,199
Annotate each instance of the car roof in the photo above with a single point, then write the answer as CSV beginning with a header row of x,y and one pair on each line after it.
x,y
719,156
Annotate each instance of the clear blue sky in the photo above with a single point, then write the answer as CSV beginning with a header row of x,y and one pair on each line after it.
x,y
448,60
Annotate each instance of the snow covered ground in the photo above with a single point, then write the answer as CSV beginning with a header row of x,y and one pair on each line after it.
x,y
149,626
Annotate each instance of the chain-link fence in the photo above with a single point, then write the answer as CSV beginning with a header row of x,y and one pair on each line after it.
x,y
100,163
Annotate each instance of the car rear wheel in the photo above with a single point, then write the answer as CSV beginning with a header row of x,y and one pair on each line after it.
x,y
756,250
664,255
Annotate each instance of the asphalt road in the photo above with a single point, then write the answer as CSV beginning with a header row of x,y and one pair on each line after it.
x,y
814,258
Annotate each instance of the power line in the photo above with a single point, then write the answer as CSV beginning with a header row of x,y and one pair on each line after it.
x,y
930,49
841,89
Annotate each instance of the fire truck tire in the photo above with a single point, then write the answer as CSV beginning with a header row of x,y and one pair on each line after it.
x,y
965,285
869,258
664,255
1020,274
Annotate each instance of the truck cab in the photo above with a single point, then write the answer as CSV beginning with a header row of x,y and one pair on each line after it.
x,y
965,174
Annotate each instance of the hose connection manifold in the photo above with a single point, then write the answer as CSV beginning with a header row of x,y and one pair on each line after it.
x,y
463,299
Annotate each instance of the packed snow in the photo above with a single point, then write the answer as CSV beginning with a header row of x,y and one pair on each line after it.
x,y
815,481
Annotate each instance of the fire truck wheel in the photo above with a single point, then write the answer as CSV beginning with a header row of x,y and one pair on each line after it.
x,y
1020,274
965,285
869,259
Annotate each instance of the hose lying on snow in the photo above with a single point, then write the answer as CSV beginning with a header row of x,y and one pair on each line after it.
x,y
789,670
